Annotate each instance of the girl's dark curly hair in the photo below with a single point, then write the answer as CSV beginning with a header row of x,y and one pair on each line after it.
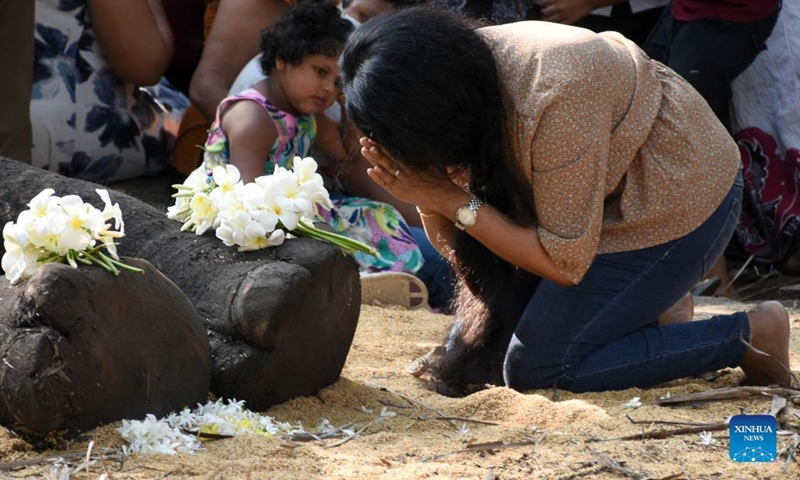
x,y
424,84
309,27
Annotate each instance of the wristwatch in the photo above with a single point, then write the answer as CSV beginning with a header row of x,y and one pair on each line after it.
x,y
467,215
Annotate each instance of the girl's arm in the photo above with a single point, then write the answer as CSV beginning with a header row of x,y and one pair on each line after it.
x,y
251,135
135,37
331,138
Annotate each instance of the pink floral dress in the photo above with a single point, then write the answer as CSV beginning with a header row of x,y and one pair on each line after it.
x,y
375,223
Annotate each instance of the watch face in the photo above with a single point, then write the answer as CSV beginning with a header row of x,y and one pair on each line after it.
x,y
466,216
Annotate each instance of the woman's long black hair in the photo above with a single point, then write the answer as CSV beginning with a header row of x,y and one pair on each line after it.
x,y
424,84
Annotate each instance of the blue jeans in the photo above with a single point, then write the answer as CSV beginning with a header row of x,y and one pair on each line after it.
x,y
436,272
602,334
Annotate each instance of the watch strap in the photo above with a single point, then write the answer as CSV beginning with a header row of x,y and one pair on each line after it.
x,y
475,203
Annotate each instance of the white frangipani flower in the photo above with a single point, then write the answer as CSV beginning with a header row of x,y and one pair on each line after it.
x,y
259,214
228,186
259,199
106,238
311,182
289,202
327,428
267,424
706,438
632,403
111,210
305,169
229,205
180,211
227,178
43,203
198,181
386,413
21,259
42,231
156,436
277,237
36,220
240,229
14,235
76,224
177,432
203,214
61,229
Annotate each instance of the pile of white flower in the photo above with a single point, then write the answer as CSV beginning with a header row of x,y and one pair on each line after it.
x,y
65,230
180,432
259,214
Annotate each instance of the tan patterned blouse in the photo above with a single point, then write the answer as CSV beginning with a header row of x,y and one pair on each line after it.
x,y
621,152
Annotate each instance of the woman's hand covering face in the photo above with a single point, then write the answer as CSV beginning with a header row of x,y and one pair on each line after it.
x,y
422,188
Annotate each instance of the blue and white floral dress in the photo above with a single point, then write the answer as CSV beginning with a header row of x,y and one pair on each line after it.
x,y
86,122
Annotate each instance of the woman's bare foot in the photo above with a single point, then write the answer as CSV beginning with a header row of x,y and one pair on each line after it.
x,y
682,311
767,359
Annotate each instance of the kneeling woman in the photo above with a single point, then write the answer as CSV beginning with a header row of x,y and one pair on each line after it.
x,y
579,188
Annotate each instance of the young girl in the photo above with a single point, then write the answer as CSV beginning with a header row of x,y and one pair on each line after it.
x,y
274,120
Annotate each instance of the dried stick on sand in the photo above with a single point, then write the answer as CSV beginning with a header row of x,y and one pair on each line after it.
x,y
734,393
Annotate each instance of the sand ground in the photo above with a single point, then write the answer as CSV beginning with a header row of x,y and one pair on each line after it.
x,y
493,434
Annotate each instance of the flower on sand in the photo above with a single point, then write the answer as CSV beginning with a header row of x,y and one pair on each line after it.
x,y
706,438
259,214
65,230
181,432
634,402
